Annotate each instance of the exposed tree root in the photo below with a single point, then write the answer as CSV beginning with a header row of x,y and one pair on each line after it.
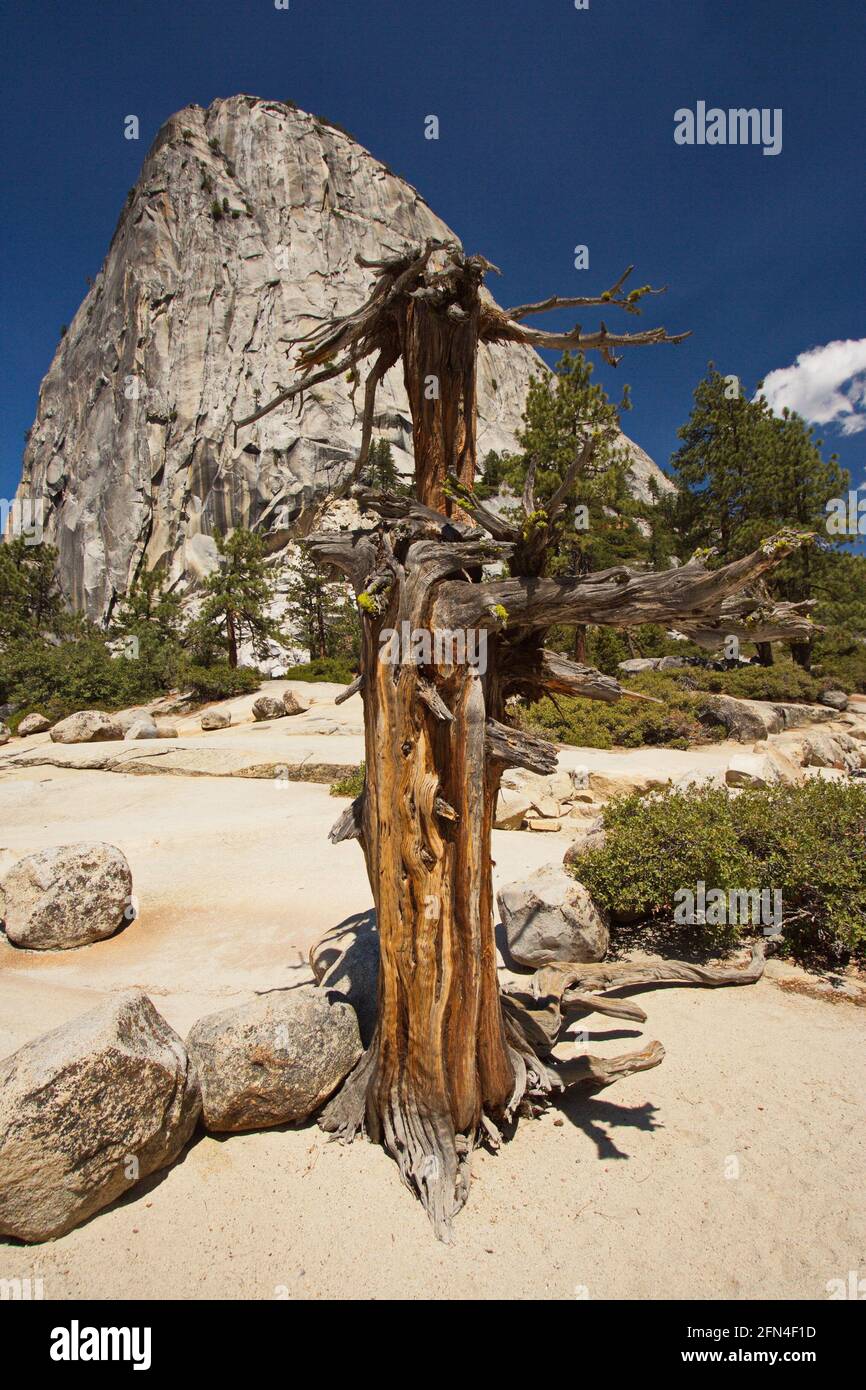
x,y
432,1155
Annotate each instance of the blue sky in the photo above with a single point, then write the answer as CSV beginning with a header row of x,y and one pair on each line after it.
x,y
556,129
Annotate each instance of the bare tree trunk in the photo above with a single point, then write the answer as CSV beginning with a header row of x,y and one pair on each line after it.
x,y
765,653
231,633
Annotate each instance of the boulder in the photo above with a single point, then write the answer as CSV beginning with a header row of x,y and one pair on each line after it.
x,y
544,823
69,896
144,727
273,1061
166,731
215,719
787,768
126,718
607,784
294,704
835,699
33,724
751,770
737,717
594,836
5,734
87,726
87,1111
636,664
512,808
822,749
268,707
550,916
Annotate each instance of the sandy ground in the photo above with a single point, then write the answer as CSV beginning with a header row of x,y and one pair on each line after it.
x,y
735,1169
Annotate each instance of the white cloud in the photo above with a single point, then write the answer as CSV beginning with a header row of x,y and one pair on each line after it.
x,y
826,385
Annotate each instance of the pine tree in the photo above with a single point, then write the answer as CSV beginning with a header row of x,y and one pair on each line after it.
x,y
30,598
743,471
322,610
381,470
238,594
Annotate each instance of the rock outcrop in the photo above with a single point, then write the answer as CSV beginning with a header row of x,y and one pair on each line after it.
x,y
87,1111
239,236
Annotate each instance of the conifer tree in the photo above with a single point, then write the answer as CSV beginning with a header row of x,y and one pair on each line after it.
x,y
238,593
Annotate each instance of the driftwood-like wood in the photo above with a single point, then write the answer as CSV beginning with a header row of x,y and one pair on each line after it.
x,y
350,690
452,1058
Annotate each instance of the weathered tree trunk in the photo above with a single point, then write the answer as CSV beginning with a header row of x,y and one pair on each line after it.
x,y
451,1057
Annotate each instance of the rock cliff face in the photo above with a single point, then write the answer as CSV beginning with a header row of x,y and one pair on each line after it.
x,y
239,236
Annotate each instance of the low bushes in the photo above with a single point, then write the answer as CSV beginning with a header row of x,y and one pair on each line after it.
x,y
352,785
807,841
674,723
783,682
323,668
220,682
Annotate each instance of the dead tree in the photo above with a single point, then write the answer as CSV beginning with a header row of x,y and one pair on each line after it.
x,y
453,1059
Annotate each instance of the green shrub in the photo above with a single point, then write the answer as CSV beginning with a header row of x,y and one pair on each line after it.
x,y
839,660
323,668
673,723
57,680
784,681
220,682
352,785
807,841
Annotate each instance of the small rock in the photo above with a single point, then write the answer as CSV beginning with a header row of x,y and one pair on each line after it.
x,y
593,837
268,707
88,1110
126,718
5,734
294,704
836,699
512,808
166,731
60,898
636,664
142,728
751,770
550,916
542,823
215,719
737,717
87,726
831,750
604,785
273,1061
33,724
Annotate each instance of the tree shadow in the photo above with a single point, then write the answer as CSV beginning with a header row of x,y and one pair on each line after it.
x,y
589,1113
